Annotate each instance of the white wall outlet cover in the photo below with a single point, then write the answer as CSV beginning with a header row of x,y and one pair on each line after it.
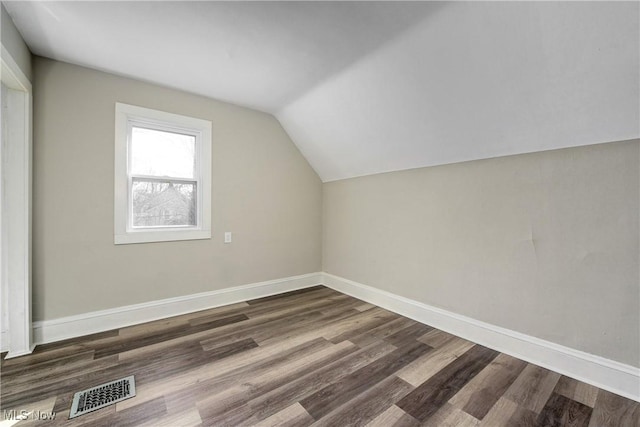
x,y
227,237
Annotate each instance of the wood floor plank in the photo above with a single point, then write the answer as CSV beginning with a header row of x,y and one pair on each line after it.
x,y
44,389
318,302
230,405
482,392
165,335
89,419
325,400
84,341
169,350
204,316
24,382
223,335
450,416
237,406
408,334
437,338
327,330
506,413
364,306
533,387
381,332
378,321
562,411
294,325
187,418
578,391
231,349
613,410
272,325
23,373
394,417
433,362
277,308
280,307
302,358
366,406
354,324
132,416
265,405
294,415
41,357
154,327
285,295
157,349
225,373
427,398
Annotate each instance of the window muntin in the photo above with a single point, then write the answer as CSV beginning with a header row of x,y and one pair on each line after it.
x,y
162,176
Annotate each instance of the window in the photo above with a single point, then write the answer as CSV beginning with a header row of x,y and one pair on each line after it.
x,y
163,176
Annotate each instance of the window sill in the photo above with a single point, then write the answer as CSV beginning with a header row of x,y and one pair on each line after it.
x,y
160,236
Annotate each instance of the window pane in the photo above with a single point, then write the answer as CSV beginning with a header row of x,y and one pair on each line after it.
x,y
163,204
160,153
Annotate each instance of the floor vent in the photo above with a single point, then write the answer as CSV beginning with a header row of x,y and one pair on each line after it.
x,y
103,395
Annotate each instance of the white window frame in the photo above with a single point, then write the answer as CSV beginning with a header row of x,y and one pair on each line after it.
x,y
129,115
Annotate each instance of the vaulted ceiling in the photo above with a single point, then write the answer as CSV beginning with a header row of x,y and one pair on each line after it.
x,y
369,87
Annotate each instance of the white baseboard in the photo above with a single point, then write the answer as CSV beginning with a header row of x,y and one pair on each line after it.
x,y
104,320
607,374
604,373
4,347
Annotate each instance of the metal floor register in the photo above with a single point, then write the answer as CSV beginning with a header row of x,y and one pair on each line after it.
x,y
103,395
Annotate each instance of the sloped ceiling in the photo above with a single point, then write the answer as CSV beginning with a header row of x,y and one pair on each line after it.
x,y
363,87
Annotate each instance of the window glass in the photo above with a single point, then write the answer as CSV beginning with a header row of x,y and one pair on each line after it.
x,y
161,153
162,204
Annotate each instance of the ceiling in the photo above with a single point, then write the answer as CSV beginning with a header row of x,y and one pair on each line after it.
x,y
370,87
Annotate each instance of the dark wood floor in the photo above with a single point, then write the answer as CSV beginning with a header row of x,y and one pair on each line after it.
x,y
307,357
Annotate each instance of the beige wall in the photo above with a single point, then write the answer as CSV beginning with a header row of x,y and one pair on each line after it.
x,y
545,244
13,42
263,191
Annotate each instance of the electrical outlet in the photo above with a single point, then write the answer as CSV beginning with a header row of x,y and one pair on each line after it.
x,y
227,237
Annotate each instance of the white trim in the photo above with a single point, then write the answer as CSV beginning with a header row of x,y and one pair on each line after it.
x,y
201,129
12,74
104,320
604,373
15,208
160,236
607,374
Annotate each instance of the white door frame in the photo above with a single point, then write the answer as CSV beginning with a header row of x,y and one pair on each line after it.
x,y
15,209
